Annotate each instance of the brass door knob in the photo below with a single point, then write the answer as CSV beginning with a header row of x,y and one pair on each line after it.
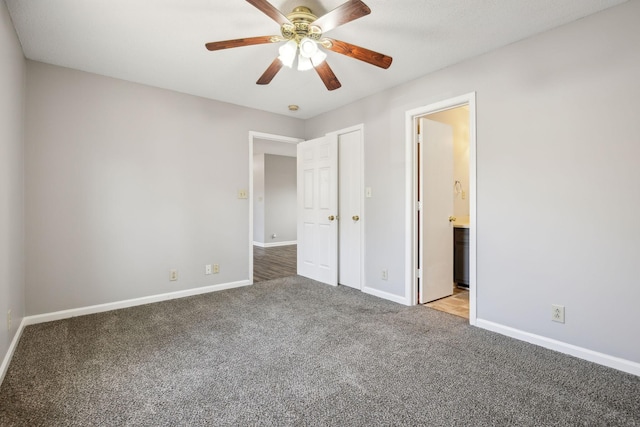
x,y
331,217
355,217
452,218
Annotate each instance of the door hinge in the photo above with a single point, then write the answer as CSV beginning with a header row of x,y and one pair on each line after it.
x,y
419,206
419,273
419,138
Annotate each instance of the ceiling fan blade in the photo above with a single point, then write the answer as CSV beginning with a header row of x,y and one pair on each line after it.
x,y
326,74
268,9
270,72
357,52
228,44
347,12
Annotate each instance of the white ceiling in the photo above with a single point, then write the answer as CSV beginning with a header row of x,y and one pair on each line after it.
x,y
161,42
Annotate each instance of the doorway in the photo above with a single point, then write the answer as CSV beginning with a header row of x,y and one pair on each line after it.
x,y
442,199
349,212
272,242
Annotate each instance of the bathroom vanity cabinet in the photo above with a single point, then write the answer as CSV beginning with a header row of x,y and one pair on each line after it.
x,y
461,256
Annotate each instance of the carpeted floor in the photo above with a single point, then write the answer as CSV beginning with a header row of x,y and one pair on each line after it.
x,y
295,352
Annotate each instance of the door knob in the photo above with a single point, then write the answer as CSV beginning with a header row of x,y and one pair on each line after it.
x,y
452,218
331,217
355,217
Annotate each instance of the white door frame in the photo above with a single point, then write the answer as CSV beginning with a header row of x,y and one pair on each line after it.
x,y
253,135
411,117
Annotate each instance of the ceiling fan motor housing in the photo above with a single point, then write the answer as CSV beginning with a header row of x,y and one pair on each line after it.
x,y
300,27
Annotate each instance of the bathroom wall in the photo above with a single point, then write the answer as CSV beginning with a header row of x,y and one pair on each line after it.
x,y
458,119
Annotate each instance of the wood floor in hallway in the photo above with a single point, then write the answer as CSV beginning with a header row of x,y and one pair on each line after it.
x,y
457,304
274,263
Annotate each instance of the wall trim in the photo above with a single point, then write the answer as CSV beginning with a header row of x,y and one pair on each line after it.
x,y
12,348
274,244
620,364
386,295
99,308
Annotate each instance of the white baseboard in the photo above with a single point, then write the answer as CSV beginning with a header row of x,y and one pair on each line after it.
x,y
385,295
12,348
274,244
65,314
562,347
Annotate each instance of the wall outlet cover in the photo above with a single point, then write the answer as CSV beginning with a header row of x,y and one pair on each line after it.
x,y
557,313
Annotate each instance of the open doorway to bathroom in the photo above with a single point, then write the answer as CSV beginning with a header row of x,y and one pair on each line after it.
x,y
441,143
452,126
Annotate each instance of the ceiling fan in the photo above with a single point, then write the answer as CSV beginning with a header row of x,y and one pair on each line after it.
x,y
303,34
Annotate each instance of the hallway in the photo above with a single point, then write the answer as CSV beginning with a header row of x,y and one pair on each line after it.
x,y
274,263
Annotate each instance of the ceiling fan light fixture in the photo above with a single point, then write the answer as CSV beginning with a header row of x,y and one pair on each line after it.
x,y
304,63
301,35
308,47
288,53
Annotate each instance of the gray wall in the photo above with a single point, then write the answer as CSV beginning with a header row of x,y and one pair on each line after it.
x,y
125,182
12,89
274,198
258,198
280,211
557,171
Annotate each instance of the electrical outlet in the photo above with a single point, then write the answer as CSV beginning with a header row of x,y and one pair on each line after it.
x,y
9,320
557,313
216,268
385,274
207,269
242,194
173,275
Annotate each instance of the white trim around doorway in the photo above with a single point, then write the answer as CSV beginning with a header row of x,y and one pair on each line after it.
x,y
411,189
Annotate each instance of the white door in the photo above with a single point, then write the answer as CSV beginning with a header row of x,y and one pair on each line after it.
x,y
317,210
350,208
436,153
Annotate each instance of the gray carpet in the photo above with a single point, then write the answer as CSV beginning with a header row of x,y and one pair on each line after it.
x,y
295,352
